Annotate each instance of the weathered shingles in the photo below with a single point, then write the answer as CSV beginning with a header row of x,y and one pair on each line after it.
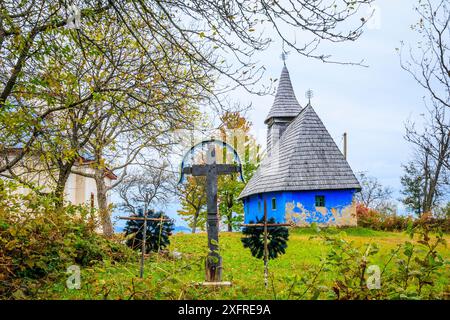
x,y
285,103
307,159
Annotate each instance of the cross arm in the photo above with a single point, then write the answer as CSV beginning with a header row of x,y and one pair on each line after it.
x,y
196,170
142,219
227,168
204,169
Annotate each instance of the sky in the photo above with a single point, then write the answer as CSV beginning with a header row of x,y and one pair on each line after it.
x,y
370,103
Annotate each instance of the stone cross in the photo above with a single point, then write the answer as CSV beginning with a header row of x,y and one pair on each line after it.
x,y
211,170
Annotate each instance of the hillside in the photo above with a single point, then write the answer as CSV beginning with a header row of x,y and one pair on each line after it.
x,y
170,278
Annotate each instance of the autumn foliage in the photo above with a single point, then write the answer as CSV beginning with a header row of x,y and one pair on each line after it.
x,y
370,218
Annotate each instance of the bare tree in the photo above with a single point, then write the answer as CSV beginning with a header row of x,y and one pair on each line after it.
x,y
426,176
146,188
429,61
373,194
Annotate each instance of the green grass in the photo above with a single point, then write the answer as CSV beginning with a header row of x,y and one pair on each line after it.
x,y
167,278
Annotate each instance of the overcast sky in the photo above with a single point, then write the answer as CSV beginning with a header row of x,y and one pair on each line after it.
x,y
370,104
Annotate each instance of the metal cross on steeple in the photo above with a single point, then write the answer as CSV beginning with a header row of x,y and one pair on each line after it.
x,y
284,54
284,57
309,94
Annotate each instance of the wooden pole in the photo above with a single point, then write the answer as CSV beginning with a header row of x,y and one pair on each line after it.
x,y
144,240
345,145
266,248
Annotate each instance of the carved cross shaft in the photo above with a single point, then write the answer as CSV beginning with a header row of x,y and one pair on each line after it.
x,y
211,170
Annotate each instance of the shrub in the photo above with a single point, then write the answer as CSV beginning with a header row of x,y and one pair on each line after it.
x,y
410,271
38,241
427,219
370,218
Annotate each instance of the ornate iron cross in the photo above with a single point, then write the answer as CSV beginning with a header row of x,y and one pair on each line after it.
x,y
211,170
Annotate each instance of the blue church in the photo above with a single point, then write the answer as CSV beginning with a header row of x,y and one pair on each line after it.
x,y
304,177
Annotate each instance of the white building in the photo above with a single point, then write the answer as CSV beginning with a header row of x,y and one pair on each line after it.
x,y
79,189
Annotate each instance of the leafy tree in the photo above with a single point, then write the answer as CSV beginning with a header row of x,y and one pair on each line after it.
x,y
231,210
205,33
157,235
418,195
413,186
235,130
192,195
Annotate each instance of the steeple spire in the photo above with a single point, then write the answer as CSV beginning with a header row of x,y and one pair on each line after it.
x,y
285,104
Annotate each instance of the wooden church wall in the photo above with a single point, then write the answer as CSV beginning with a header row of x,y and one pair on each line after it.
x,y
300,208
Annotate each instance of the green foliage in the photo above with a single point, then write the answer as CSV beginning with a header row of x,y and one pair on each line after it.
x,y
157,234
192,195
230,208
409,271
277,238
38,241
413,188
350,231
235,129
292,276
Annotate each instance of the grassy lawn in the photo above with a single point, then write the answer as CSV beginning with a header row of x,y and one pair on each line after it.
x,y
168,278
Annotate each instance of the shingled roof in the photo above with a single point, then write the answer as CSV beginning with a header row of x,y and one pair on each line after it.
x,y
305,158
285,104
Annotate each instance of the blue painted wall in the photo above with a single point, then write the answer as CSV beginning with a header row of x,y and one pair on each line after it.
x,y
300,206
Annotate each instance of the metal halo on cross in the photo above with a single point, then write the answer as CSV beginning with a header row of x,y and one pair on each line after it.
x,y
201,145
211,170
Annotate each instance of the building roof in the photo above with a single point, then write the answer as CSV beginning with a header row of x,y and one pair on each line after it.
x,y
82,160
285,104
305,158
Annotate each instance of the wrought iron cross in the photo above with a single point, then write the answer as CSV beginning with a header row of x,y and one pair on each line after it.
x,y
265,224
144,235
211,170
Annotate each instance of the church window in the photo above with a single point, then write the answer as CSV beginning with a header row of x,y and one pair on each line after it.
x,y
320,201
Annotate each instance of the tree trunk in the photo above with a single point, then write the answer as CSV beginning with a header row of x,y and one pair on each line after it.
x,y
230,214
102,202
194,222
63,176
230,224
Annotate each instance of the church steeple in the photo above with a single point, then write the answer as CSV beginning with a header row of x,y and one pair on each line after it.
x,y
285,104
284,109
